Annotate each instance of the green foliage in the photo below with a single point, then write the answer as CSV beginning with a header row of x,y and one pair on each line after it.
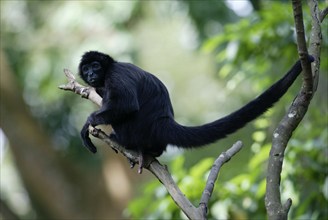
x,y
209,16
54,38
263,39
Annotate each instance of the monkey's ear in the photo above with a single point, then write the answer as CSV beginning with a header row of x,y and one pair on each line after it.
x,y
86,139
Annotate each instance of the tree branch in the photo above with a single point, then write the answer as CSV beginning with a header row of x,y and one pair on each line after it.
x,y
86,92
222,159
163,175
302,48
293,117
316,38
323,14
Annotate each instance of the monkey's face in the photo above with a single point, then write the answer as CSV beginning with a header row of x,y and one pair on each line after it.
x,y
93,74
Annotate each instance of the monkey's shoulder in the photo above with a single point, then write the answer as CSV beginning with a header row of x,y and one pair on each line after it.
x,y
130,74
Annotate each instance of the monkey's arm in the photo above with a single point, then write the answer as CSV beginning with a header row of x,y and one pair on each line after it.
x,y
119,104
103,116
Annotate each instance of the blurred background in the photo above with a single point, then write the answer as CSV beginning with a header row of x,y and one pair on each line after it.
x,y
213,56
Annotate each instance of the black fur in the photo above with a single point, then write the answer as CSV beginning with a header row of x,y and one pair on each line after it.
x,y
138,106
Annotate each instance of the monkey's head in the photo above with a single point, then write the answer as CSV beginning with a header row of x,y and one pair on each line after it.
x,y
93,68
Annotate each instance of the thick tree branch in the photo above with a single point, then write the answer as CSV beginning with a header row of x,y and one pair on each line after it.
x,y
294,115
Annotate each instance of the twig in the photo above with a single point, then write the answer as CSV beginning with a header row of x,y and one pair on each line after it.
x,y
86,92
222,159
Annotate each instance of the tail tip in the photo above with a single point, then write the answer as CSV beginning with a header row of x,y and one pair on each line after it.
x,y
311,58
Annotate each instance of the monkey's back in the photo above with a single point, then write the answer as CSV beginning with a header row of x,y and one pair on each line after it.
x,y
141,130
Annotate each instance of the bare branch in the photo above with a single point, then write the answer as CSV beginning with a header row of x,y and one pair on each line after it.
x,y
222,159
85,92
163,175
323,14
132,156
316,38
302,47
293,117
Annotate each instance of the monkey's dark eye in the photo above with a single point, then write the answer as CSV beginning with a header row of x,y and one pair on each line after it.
x,y
96,65
85,68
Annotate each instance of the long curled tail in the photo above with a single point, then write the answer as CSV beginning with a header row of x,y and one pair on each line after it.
x,y
188,137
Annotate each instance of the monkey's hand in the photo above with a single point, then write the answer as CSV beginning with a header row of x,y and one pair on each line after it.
x,y
86,139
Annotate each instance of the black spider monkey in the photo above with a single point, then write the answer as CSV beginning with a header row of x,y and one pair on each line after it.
x,y
138,106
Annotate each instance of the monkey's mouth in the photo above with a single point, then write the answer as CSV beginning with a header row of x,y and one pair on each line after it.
x,y
93,82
